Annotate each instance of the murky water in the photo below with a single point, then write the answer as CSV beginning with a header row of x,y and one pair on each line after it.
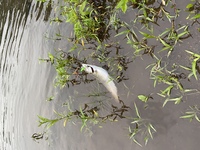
x,y
26,83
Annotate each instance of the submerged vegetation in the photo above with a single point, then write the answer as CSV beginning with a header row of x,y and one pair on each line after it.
x,y
100,31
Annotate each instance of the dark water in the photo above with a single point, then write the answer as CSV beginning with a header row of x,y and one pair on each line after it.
x,y
26,84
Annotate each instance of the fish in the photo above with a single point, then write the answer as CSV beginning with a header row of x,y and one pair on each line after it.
x,y
103,77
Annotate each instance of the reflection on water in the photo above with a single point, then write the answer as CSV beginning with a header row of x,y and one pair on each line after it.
x,y
13,20
16,61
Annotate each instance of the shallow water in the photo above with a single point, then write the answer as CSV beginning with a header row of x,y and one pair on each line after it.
x,y
26,84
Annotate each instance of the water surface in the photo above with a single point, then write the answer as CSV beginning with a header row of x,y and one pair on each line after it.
x,y
26,84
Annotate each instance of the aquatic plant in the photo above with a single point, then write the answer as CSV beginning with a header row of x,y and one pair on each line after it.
x,y
195,67
87,114
192,113
142,127
193,9
99,27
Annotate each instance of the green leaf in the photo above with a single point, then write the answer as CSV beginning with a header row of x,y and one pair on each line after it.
x,y
197,118
197,16
165,32
143,98
177,100
186,68
190,90
52,122
193,54
51,57
42,120
43,1
164,43
167,90
188,116
149,130
134,140
189,6
136,110
194,63
82,7
123,5
165,102
146,35
123,32
182,34
50,98
152,127
82,69
136,120
84,124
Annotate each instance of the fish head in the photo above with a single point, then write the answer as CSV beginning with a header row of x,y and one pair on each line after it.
x,y
87,68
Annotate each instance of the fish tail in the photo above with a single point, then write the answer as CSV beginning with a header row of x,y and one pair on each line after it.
x,y
112,89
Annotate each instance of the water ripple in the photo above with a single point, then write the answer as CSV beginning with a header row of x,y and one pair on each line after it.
x,y
22,25
12,24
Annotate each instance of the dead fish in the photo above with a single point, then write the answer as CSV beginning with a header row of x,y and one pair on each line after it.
x,y
103,77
